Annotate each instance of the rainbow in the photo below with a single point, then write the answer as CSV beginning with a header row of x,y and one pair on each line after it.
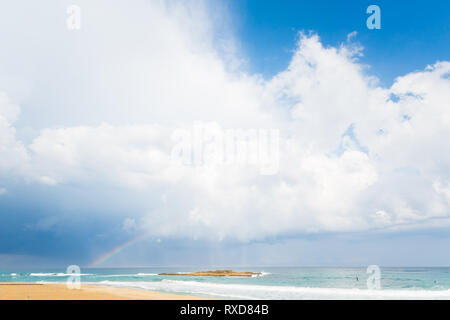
x,y
117,249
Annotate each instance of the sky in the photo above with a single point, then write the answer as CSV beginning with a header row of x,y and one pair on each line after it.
x,y
224,133
412,33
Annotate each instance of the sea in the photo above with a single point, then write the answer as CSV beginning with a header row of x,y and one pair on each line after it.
x,y
297,283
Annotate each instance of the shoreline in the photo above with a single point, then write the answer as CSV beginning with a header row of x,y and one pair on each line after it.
x,y
40,291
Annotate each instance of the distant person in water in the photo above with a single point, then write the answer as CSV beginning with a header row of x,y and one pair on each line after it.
x,y
357,278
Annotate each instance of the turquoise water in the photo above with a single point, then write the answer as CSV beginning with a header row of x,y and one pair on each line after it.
x,y
274,283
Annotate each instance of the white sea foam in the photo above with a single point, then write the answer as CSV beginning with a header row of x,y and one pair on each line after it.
x,y
59,274
42,274
116,275
261,274
147,274
245,291
128,275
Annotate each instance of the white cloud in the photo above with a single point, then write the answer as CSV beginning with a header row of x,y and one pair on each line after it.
x,y
351,158
13,154
443,189
129,225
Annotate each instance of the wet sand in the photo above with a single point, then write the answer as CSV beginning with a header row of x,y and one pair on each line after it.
x,y
37,291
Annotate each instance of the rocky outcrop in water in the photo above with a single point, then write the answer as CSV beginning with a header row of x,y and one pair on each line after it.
x,y
214,273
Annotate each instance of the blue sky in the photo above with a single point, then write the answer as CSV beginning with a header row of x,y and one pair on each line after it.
x,y
89,122
413,33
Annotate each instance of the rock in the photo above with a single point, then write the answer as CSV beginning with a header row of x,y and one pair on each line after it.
x,y
214,273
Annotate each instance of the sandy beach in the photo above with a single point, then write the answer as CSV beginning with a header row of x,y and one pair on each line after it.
x,y
37,291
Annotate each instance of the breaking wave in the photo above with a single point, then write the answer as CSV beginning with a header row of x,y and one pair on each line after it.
x,y
244,291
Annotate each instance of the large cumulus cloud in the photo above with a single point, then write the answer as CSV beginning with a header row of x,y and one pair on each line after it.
x,y
353,155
